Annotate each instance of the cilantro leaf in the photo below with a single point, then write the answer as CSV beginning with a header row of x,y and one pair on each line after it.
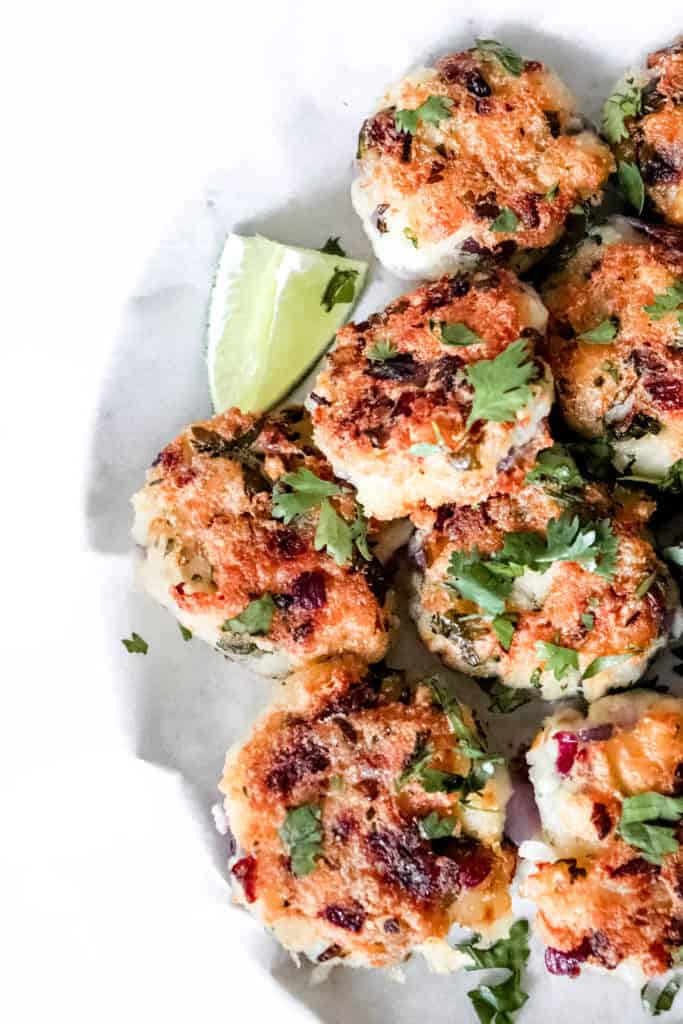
x,y
421,755
455,334
341,288
474,581
558,660
451,708
436,827
332,247
509,58
185,632
255,619
501,385
302,835
631,185
411,236
333,534
506,221
556,472
666,303
504,628
593,545
645,584
603,333
511,953
654,841
505,699
136,645
619,106
588,621
307,491
433,110
381,351
606,661
496,1004
359,535
664,1000
552,193
673,481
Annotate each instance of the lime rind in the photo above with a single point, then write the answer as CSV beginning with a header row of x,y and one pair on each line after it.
x,y
267,326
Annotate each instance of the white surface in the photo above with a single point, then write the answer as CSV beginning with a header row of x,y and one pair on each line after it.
x,y
135,136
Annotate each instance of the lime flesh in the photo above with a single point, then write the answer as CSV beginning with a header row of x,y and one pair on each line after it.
x,y
267,325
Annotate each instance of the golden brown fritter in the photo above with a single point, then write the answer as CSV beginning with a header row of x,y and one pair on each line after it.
x,y
623,282
330,765
370,413
619,600
651,132
492,166
214,546
605,903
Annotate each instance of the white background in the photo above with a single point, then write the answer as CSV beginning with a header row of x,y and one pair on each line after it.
x,y
135,135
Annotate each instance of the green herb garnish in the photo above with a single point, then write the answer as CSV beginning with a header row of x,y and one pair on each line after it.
x,y
185,632
504,628
306,492
497,1004
603,333
638,813
436,827
617,108
505,699
558,660
552,193
433,110
663,1001
604,662
501,385
506,221
455,334
302,835
136,645
333,534
332,247
666,303
631,185
556,472
255,619
421,755
381,351
509,58
340,288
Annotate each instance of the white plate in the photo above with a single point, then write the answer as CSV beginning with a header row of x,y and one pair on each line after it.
x,y
112,879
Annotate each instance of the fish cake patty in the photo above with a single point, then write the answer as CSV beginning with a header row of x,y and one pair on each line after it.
x,y
602,902
215,550
495,175
339,742
649,131
621,284
588,611
396,426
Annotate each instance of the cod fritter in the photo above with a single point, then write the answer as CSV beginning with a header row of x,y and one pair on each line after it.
x,y
643,119
241,567
364,830
563,594
615,896
391,407
615,343
478,156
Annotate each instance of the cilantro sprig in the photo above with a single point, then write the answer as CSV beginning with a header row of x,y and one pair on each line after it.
x,y
605,332
510,59
668,302
555,471
432,111
455,334
501,385
341,288
381,351
136,645
619,106
302,835
332,247
333,533
497,1004
506,221
640,827
654,1002
434,826
631,185
558,660
255,619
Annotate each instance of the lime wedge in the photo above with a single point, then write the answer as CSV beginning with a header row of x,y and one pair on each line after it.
x,y
268,318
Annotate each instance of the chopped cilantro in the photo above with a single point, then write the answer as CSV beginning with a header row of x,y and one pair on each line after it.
x,y
606,661
436,827
433,110
136,645
506,221
306,492
558,660
333,248
501,385
302,835
185,632
637,824
588,620
603,333
653,1003
619,106
333,534
667,302
255,619
411,236
455,334
645,584
673,481
421,755
381,351
552,193
505,699
510,59
497,1004
341,288
474,581
556,472
631,185
511,953
504,628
